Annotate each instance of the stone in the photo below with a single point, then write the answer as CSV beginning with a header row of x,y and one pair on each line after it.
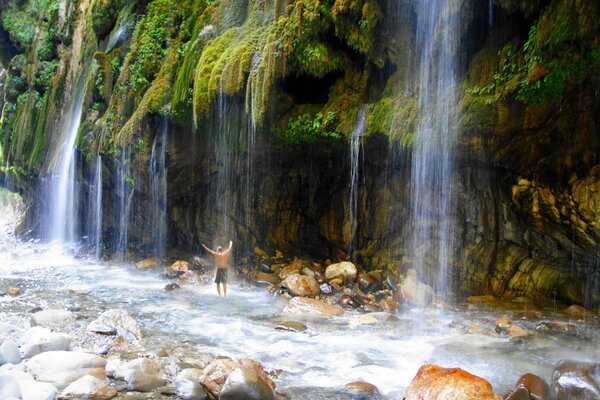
x,y
293,268
556,327
9,353
9,387
502,324
89,387
575,311
63,367
576,380
171,286
389,304
245,383
32,390
305,305
53,319
520,393
366,280
141,374
302,285
119,321
180,266
433,382
536,387
363,319
415,292
187,384
345,270
363,387
38,340
216,373
515,331
13,291
190,277
485,299
148,263
291,326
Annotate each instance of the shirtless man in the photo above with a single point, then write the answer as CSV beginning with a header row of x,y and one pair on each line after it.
x,y
221,257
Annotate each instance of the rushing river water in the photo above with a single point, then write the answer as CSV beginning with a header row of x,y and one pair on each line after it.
x,y
333,351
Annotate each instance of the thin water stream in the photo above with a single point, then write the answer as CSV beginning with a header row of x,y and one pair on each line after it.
x,y
192,322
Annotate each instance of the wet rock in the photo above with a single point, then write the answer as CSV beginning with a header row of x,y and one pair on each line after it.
x,y
502,324
13,291
520,393
415,292
245,383
171,286
345,270
52,319
118,321
148,263
336,283
433,382
575,311
515,331
89,387
9,353
291,326
293,268
302,285
363,319
389,304
348,301
63,367
311,306
264,277
142,374
180,266
576,380
363,387
325,288
535,387
38,340
556,327
483,299
187,384
190,277
214,375
32,390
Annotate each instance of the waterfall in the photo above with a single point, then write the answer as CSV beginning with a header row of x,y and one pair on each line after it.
x,y
158,188
95,223
355,142
124,195
63,206
432,155
490,14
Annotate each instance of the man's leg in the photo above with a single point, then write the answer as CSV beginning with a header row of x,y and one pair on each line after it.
x,y
224,289
219,288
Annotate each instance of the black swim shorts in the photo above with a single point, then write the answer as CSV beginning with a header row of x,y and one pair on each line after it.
x,y
221,275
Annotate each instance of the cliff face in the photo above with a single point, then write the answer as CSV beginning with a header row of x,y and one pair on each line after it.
x,y
259,99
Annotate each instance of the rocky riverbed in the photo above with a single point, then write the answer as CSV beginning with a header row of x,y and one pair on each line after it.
x,y
289,329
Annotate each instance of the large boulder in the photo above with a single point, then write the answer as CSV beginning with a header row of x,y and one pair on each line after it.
x,y
9,387
252,377
38,340
302,285
9,353
415,292
187,384
576,380
305,305
118,322
63,367
89,387
433,382
345,270
52,319
246,383
530,386
32,390
142,374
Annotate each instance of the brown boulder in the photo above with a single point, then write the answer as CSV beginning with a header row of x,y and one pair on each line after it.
x,y
293,268
576,380
302,285
180,266
307,305
415,292
433,382
216,373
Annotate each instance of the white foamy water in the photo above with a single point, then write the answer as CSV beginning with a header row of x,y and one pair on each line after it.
x,y
192,321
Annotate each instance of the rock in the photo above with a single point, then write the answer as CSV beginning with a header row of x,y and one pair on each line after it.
x,y
390,305
345,270
302,285
485,299
515,331
293,268
415,292
171,286
63,367
348,301
245,383
216,373
9,387
32,390
365,280
180,266
52,319
118,321
89,387
502,324
556,327
190,277
536,387
9,353
148,263
38,340
312,306
13,291
142,374
260,252
575,311
264,277
576,380
519,393
363,319
187,384
291,326
325,288
363,387
433,382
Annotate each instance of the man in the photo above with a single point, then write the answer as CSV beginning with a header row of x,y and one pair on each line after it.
x,y
221,257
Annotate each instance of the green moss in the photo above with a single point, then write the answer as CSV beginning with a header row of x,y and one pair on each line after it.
x,y
309,128
20,25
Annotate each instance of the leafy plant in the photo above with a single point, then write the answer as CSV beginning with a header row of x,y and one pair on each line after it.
x,y
308,128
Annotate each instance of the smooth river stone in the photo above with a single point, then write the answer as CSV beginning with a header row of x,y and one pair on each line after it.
x,y
52,318
63,367
305,305
291,326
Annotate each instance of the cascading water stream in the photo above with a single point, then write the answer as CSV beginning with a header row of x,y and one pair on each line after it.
x,y
62,212
158,188
355,143
94,222
124,196
432,155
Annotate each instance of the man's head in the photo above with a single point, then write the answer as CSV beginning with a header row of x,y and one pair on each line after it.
x,y
219,249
